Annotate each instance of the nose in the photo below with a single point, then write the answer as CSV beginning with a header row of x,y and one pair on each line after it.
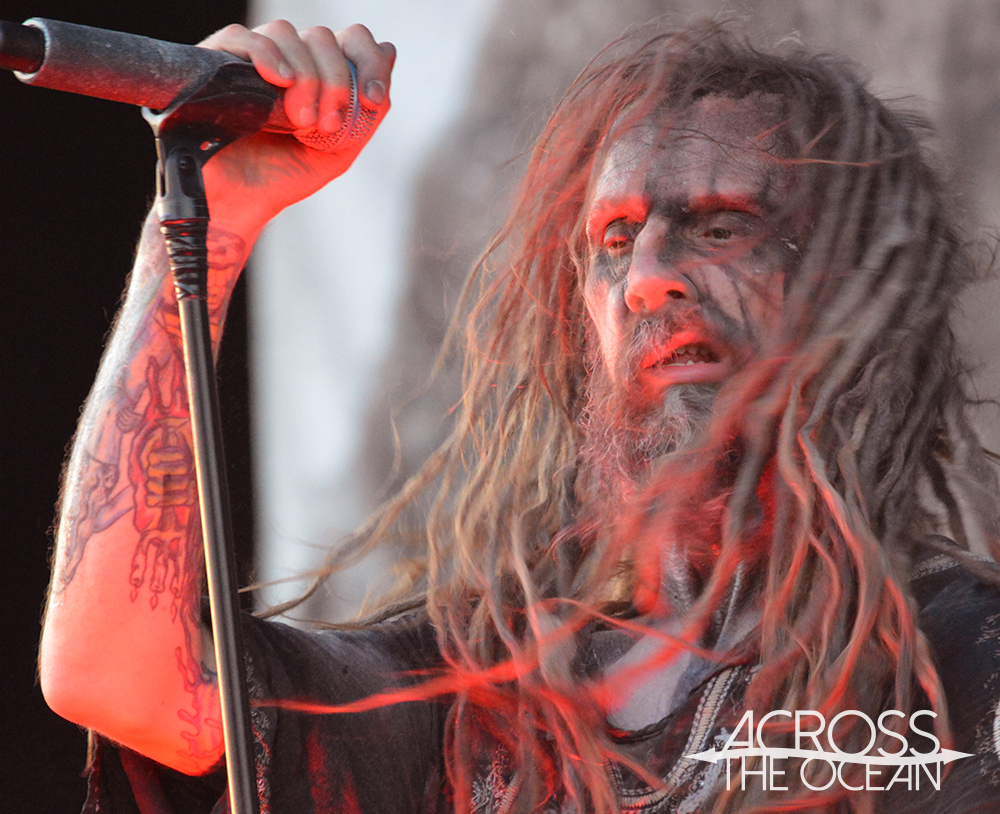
x,y
653,278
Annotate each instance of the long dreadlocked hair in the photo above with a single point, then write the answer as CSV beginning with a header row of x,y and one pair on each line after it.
x,y
851,440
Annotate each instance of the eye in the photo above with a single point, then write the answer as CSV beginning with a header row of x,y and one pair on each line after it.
x,y
723,229
619,236
719,234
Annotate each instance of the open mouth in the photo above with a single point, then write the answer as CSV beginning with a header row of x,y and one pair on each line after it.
x,y
692,353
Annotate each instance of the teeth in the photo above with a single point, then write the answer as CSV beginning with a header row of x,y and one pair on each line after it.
x,y
691,354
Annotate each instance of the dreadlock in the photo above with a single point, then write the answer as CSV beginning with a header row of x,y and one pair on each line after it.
x,y
827,467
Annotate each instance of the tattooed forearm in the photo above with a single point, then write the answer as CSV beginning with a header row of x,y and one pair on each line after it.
x,y
142,430
123,644
127,576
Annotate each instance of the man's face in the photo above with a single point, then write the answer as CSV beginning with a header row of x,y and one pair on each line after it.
x,y
685,274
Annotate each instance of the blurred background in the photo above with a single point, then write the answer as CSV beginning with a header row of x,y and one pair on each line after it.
x,y
348,293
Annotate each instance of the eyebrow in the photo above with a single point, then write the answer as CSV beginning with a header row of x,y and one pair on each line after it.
x,y
717,202
605,210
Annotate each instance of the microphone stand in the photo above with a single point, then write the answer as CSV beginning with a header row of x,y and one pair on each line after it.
x,y
189,132
230,101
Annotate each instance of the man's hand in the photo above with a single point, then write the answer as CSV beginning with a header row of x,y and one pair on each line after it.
x,y
252,180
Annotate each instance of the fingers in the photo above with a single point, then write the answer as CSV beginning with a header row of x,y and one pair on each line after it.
x,y
322,84
373,60
312,65
326,92
254,47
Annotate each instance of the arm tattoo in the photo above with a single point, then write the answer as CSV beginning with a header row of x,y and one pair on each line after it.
x,y
161,471
134,461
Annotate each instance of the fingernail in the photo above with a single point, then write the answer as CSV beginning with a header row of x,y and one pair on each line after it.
x,y
332,122
307,116
285,71
375,91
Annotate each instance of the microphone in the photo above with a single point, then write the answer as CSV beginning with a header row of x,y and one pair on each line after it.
x,y
151,73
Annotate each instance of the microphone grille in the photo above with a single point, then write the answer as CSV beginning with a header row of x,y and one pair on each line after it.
x,y
358,123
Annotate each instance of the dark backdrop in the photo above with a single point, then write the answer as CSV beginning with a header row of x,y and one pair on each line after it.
x,y
76,178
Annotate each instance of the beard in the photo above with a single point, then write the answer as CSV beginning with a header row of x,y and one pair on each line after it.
x,y
626,432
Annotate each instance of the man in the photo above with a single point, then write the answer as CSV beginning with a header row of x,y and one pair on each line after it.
x,y
712,458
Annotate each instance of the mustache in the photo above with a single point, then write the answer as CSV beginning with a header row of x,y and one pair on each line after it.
x,y
650,333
